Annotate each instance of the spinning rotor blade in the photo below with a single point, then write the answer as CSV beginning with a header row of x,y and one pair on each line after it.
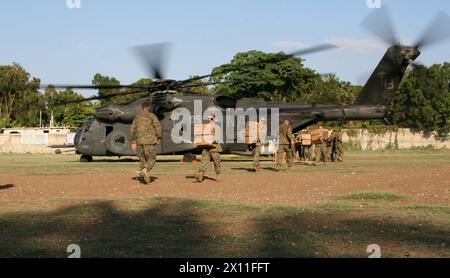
x,y
94,87
151,89
153,58
379,23
98,97
437,31
311,50
314,49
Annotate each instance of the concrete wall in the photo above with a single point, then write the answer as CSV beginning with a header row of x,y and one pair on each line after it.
x,y
401,139
363,140
13,143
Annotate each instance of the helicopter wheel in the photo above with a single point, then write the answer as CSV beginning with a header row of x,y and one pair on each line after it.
x,y
86,158
189,157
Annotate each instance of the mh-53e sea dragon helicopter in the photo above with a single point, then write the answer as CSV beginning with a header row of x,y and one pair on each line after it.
x,y
107,133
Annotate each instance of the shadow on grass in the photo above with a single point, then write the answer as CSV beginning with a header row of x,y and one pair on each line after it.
x,y
6,186
181,228
141,181
244,169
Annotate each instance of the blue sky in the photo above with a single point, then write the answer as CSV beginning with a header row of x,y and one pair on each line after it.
x,y
62,45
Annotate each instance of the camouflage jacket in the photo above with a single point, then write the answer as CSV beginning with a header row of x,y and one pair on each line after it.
x,y
338,138
218,147
262,133
146,129
285,136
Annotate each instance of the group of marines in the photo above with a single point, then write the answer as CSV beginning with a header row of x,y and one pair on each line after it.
x,y
146,133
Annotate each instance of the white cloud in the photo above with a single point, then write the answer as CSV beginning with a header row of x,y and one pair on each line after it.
x,y
359,46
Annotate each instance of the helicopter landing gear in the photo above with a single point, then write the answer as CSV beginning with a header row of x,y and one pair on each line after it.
x,y
189,157
86,158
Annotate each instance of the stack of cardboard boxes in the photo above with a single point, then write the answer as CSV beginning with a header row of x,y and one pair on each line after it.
x,y
203,136
251,133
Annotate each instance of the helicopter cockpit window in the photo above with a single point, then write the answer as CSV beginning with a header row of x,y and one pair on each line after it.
x,y
88,124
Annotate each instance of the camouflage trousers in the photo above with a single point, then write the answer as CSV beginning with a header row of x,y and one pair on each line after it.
x,y
289,155
256,152
306,153
207,155
147,156
339,153
329,153
321,152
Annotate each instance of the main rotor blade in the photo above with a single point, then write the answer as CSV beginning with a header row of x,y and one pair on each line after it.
x,y
437,31
153,58
311,50
379,23
314,49
100,97
93,87
151,89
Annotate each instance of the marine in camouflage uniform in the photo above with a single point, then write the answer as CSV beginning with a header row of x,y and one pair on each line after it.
x,y
331,144
321,147
210,154
145,134
261,140
339,146
306,149
285,142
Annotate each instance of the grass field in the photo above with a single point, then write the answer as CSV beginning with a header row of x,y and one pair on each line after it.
x,y
139,226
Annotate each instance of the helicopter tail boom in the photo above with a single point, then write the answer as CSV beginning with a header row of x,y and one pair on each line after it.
x,y
385,80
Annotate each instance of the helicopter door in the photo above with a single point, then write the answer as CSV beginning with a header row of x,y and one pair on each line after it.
x,y
118,140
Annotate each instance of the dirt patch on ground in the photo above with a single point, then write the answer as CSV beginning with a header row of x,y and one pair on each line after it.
x,y
422,186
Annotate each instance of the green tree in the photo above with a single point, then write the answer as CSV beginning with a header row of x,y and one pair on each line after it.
x,y
14,82
272,77
200,88
76,115
423,100
28,106
72,114
103,80
330,90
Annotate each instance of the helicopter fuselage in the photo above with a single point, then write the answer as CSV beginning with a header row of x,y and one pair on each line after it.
x,y
107,133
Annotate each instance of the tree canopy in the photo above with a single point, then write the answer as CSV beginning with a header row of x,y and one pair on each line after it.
x,y
423,101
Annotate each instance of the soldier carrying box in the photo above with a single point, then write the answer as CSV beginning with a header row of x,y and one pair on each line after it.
x,y
211,151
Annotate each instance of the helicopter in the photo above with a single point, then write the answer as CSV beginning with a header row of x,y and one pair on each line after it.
x,y
107,132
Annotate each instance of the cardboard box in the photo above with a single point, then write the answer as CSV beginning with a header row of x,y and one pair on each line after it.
x,y
202,136
306,139
316,136
251,133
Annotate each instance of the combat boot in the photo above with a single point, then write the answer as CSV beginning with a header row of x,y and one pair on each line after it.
x,y
199,177
144,175
217,177
278,168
